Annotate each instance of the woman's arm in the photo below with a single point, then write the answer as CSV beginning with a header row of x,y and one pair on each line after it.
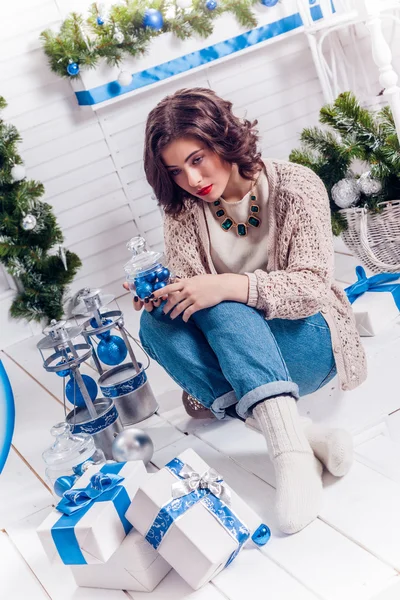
x,y
181,244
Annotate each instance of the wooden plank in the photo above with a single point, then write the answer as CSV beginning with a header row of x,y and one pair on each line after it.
x,y
355,570
151,220
75,120
81,176
37,98
94,264
89,210
17,580
138,189
107,239
97,224
55,578
28,19
70,162
146,204
61,146
44,114
93,190
132,172
392,591
21,491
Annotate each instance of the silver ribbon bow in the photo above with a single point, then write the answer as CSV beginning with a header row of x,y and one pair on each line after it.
x,y
191,481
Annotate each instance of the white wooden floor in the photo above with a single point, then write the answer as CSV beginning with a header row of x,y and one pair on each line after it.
x,y
351,552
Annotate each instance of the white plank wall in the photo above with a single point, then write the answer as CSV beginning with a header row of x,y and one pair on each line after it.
x,y
91,163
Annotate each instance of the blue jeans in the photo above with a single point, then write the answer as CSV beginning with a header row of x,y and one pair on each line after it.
x,y
230,355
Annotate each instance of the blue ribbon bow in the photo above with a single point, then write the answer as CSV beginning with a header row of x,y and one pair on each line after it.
x,y
77,499
374,284
104,486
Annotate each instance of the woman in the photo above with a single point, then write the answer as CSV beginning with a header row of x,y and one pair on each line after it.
x,y
254,320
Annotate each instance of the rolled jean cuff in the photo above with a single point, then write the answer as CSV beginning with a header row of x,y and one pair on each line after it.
x,y
244,407
220,404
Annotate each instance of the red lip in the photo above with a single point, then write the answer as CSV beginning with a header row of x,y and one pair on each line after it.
x,y
205,191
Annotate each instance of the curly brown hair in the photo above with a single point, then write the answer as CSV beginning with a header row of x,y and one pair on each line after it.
x,y
198,113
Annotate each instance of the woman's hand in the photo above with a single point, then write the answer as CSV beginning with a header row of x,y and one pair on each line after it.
x,y
138,303
187,296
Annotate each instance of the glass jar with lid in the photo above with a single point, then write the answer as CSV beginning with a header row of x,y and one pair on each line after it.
x,y
145,271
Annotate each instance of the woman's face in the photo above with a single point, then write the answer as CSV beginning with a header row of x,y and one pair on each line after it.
x,y
196,169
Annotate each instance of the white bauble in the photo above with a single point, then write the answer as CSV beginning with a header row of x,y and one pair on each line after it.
x,y
346,193
18,172
119,36
184,3
124,78
28,222
368,185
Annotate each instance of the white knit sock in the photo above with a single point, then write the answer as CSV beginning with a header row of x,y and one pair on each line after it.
x,y
333,447
298,472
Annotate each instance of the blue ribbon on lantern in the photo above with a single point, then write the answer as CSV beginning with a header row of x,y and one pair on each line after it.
x,y
376,283
103,487
211,492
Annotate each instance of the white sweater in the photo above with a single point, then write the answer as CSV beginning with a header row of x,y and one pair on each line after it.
x,y
231,253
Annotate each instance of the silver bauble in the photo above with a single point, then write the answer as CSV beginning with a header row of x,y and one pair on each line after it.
x,y
346,193
132,444
28,223
124,78
119,36
368,185
18,172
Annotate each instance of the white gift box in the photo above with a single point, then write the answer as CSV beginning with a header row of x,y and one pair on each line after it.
x,y
135,566
374,312
93,534
196,544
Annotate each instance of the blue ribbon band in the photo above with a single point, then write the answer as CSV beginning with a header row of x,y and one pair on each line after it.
x,y
376,283
179,65
178,507
76,503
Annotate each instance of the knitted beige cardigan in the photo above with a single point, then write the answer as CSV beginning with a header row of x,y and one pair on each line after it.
x,y
300,256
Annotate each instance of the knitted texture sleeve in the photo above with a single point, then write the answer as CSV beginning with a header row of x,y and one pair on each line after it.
x,y
183,252
304,259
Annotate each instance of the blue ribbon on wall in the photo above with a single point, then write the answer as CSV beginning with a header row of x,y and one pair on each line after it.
x,y
376,283
190,61
179,506
103,487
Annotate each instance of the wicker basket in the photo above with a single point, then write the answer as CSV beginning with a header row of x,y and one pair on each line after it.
x,y
375,237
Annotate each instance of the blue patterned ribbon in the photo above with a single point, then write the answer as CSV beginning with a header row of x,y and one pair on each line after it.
x,y
178,507
195,59
103,487
374,284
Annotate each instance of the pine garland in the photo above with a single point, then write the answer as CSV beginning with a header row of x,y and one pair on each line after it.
x,y
85,41
26,255
355,133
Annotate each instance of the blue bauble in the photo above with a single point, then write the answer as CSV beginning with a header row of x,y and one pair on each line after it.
x,y
72,390
112,351
73,68
151,278
62,373
64,483
144,289
153,18
99,21
163,274
106,334
269,3
211,4
261,535
159,285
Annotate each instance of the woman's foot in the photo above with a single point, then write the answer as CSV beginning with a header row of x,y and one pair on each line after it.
x,y
333,447
298,472
194,408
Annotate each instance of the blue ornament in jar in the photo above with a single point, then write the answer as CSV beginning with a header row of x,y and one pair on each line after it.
x,y
145,272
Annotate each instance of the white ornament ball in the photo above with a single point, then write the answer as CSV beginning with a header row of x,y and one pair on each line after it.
x,y
124,78
18,172
368,185
346,193
184,3
132,444
29,222
119,37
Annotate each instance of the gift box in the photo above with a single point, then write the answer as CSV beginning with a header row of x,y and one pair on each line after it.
x,y
195,521
135,566
89,524
375,301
